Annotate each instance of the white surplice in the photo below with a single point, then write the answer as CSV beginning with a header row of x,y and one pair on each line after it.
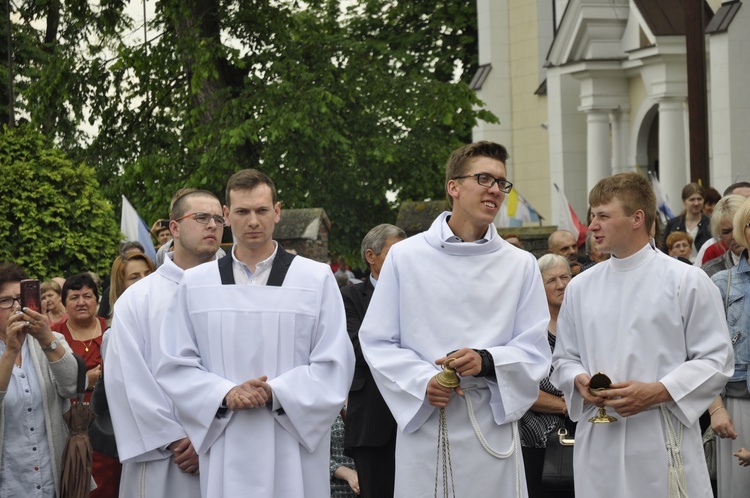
x,y
217,336
433,297
644,318
142,414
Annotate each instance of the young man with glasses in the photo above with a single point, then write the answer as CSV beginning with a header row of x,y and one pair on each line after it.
x,y
459,293
255,355
167,246
158,458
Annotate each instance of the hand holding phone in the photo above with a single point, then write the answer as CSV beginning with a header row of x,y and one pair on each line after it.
x,y
30,295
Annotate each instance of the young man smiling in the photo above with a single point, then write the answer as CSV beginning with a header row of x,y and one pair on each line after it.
x,y
460,292
655,327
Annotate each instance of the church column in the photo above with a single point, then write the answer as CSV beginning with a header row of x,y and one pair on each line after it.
x,y
620,120
673,166
598,142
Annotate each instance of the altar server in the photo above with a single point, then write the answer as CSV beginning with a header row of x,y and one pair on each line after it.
x,y
256,358
656,328
158,457
460,291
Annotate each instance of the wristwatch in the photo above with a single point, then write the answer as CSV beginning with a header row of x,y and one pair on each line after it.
x,y
51,346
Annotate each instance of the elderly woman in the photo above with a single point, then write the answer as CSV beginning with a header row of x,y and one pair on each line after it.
x,y
37,377
548,413
679,245
52,298
725,253
83,331
730,413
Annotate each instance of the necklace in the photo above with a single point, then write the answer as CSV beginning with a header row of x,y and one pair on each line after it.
x,y
86,344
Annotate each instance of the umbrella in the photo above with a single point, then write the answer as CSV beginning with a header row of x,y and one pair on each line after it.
x,y
75,476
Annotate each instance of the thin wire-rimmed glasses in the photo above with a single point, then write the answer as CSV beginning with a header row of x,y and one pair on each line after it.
x,y
7,302
488,181
205,218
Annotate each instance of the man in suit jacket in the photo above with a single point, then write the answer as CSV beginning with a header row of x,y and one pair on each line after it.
x,y
370,428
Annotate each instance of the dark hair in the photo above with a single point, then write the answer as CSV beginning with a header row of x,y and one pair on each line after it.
x,y
128,245
733,186
180,204
711,196
10,273
78,282
461,157
248,179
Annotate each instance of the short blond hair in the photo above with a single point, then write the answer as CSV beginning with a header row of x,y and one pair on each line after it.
x,y
632,190
741,218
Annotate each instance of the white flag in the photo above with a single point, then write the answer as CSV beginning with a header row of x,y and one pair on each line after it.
x,y
662,200
134,228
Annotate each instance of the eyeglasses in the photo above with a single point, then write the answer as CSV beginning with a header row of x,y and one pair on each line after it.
x,y
488,181
205,218
7,302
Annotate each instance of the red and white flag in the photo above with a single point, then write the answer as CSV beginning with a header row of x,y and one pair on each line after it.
x,y
568,219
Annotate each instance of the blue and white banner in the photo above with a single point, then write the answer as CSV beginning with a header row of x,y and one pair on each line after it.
x,y
134,228
662,200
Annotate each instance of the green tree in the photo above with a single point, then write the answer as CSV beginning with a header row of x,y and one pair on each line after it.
x,y
60,50
56,221
352,111
349,106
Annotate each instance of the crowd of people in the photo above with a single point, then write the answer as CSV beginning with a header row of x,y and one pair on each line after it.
x,y
444,371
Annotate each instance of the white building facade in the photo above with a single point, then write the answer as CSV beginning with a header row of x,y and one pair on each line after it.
x,y
612,93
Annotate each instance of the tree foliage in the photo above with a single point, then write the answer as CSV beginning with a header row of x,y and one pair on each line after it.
x,y
56,220
349,106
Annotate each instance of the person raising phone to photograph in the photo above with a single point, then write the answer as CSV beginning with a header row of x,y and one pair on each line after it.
x,y
37,377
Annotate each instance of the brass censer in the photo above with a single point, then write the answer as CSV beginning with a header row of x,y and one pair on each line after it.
x,y
446,378
600,381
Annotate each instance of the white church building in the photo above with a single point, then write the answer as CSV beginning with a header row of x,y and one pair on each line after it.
x,y
587,88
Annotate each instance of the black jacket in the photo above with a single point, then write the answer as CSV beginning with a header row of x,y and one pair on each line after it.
x,y
368,420
677,224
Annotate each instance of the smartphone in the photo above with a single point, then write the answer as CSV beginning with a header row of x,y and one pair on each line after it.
x,y
30,294
164,224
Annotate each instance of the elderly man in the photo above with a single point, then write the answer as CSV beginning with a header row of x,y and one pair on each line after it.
x,y
158,458
370,427
594,254
564,243
255,356
655,327
458,294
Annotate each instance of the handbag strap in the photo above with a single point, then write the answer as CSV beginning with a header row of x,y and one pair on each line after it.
x,y
726,294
